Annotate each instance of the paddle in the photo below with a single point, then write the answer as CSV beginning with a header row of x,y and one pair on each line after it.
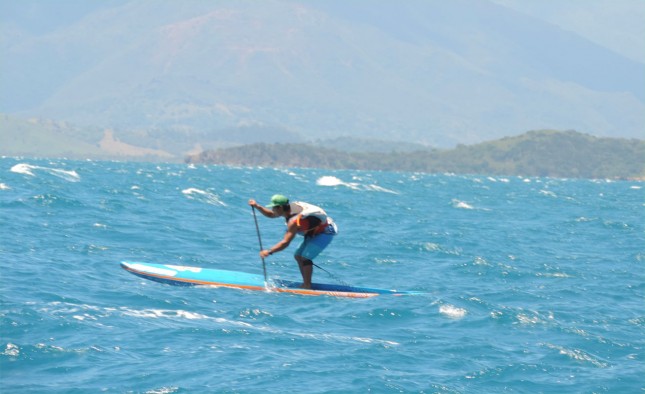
x,y
257,229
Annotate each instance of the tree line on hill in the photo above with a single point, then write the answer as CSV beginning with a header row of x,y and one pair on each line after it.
x,y
545,153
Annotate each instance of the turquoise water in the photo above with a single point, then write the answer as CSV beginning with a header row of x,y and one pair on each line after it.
x,y
534,285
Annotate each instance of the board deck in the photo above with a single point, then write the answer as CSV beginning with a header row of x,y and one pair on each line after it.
x,y
195,276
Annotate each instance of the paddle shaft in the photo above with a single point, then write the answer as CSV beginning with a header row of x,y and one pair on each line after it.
x,y
257,229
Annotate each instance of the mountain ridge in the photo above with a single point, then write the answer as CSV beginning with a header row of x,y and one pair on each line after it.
x,y
437,73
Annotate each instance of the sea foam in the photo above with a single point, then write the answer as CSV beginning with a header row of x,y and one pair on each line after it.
x,y
28,169
203,196
332,181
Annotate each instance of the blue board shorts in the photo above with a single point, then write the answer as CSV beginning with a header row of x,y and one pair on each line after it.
x,y
311,247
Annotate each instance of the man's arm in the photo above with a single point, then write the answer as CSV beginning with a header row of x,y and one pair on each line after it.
x,y
292,230
263,210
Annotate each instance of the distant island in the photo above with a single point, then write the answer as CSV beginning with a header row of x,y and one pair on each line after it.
x,y
563,154
545,153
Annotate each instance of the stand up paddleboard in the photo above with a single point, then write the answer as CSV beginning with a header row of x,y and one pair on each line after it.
x,y
193,276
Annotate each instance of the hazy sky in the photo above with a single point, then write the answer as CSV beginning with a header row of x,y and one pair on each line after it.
x,y
42,16
616,24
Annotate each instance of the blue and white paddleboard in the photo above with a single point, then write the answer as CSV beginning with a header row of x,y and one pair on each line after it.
x,y
193,276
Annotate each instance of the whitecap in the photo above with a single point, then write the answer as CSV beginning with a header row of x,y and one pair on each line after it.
x,y
3,186
22,169
163,390
329,180
386,261
332,181
28,169
378,188
503,180
85,316
80,313
481,261
11,350
461,204
203,196
561,275
584,219
496,314
163,313
547,193
525,319
191,315
71,176
577,354
452,311
293,174
341,338
431,246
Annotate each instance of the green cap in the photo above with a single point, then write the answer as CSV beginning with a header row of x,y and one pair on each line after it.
x,y
278,200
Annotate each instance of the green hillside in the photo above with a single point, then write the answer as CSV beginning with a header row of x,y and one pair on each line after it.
x,y
568,154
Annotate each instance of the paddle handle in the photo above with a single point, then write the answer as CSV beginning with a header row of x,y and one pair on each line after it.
x,y
257,229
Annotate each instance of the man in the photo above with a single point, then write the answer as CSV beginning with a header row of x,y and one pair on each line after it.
x,y
303,219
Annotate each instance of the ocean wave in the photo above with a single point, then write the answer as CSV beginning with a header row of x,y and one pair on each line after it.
x,y
452,311
27,351
163,390
548,193
11,350
509,281
290,173
458,204
332,181
578,355
339,338
561,275
329,180
85,312
89,313
434,247
166,313
203,196
461,204
28,169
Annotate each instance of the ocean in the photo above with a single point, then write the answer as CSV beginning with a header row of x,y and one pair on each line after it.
x,y
533,285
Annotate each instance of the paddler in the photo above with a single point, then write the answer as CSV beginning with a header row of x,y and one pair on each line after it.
x,y
303,219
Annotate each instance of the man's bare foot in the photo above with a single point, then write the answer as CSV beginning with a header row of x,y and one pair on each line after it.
x,y
305,286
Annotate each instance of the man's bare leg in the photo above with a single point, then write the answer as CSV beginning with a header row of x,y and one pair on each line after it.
x,y
306,270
